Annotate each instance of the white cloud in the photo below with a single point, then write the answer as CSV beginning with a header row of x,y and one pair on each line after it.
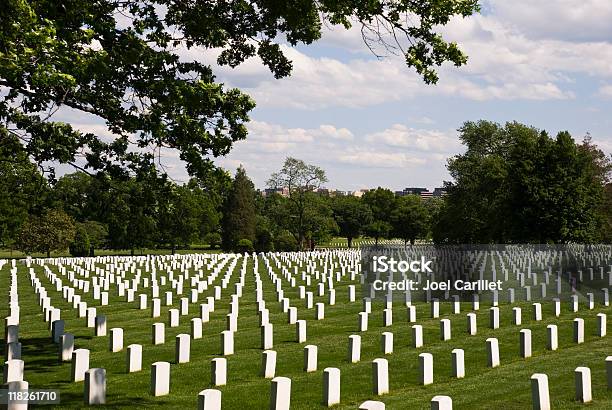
x,y
374,159
571,20
506,62
416,139
605,91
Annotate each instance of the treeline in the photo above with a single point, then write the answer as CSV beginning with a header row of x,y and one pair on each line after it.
x,y
518,184
513,184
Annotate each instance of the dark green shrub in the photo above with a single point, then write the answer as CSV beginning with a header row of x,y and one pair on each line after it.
x,y
80,244
244,245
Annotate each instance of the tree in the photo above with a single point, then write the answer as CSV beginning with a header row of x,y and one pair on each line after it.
x,y
285,242
382,203
264,239
300,180
72,192
319,223
129,209
80,246
22,188
184,215
97,234
351,215
517,184
125,63
53,231
213,240
409,219
239,216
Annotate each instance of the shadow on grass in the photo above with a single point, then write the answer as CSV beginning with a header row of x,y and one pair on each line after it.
x,y
40,354
75,399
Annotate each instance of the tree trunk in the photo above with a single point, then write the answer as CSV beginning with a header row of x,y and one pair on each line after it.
x,y
48,253
350,242
131,251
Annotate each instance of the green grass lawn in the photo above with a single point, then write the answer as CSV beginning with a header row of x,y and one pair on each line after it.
x,y
507,386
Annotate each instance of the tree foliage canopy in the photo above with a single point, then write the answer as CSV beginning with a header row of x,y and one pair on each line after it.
x,y
126,64
517,184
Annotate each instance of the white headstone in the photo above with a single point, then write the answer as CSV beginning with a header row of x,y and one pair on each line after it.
x,y
134,358
417,336
458,363
11,333
435,308
160,378
494,317
426,368
204,312
280,393
556,304
354,350
196,328
445,329
209,399
492,352
331,386
578,330
363,321
116,339
173,317
583,384
411,313
609,371
525,343
380,376
552,337
441,403
601,324
17,386
13,351
100,325
386,342
156,308
66,346
310,358
540,396
574,303
300,331
218,371
227,343
182,348
57,330
268,364
387,317
13,371
267,336
537,311
517,316
159,333
471,324
372,405
80,364
95,386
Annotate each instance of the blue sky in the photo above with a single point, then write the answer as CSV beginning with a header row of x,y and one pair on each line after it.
x,y
372,122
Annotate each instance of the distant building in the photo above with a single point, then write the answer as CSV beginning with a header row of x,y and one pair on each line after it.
x,y
422,192
359,193
280,191
439,192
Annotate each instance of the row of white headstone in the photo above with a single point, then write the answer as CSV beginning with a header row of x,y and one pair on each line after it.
x,y
182,348
582,379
